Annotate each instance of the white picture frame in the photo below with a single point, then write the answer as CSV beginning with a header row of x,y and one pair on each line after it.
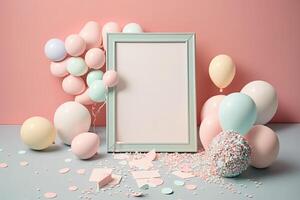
x,y
154,104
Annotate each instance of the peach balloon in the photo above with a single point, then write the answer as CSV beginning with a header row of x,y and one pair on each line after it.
x,y
59,69
85,145
91,34
95,58
73,85
110,78
84,98
75,45
211,106
110,27
264,144
209,128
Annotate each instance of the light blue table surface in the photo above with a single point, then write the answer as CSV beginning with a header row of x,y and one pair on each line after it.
x,y
280,181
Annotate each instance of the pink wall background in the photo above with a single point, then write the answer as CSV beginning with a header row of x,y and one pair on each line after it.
x,y
263,37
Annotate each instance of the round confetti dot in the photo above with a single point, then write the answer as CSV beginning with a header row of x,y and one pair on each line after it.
x,y
178,182
21,152
3,165
50,195
80,171
191,187
64,170
1,150
73,188
23,163
167,191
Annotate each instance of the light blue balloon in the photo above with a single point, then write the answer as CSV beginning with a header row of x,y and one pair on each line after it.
x,y
93,75
237,112
55,49
76,66
97,91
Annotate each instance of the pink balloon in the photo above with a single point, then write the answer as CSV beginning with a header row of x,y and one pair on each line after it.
x,y
84,98
264,144
85,145
59,69
73,85
209,128
110,27
211,106
75,45
110,78
91,34
95,58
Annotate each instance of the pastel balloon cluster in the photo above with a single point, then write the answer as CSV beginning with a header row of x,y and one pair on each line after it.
x,y
78,60
244,112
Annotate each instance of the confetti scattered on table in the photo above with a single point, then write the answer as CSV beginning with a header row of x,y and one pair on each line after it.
x,y
50,195
24,163
73,188
178,182
3,165
167,191
190,186
64,170
21,152
121,156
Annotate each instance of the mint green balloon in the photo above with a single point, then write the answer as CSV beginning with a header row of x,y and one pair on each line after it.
x,y
97,91
93,75
237,113
76,66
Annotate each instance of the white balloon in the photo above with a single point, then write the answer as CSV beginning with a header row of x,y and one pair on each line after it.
x,y
265,97
71,119
132,28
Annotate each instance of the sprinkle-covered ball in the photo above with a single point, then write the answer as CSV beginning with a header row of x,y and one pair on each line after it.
x,y
228,154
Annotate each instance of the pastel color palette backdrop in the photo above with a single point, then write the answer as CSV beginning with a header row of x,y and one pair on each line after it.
x,y
261,36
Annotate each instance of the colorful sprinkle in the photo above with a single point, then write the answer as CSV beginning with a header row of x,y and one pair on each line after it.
x,y
24,163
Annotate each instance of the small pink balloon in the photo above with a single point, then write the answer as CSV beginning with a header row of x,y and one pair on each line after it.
x,y
110,78
84,98
85,145
209,128
75,45
211,106
59,69
109,27
73,85
91,34
264,144
95,58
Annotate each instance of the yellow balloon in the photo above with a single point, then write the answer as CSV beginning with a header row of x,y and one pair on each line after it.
x,y
38,133
222,71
